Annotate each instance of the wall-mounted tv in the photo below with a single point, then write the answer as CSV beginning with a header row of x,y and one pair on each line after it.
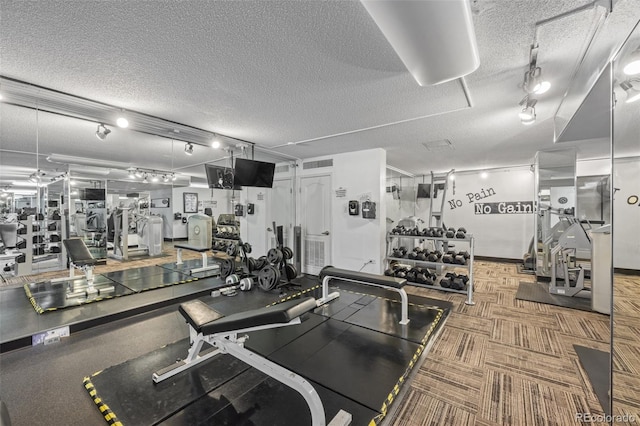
x,y
220,177
253,173
92,194
424,190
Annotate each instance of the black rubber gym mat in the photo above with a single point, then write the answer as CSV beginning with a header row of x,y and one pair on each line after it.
x,y
361,364
134,273
150,282
596,364
539,292
383,315
47,296
265,342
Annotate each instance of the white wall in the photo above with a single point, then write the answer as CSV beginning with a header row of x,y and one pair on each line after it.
x,y
221,197
356,240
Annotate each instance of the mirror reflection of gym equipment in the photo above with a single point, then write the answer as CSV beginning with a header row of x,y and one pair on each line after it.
x,y
148,233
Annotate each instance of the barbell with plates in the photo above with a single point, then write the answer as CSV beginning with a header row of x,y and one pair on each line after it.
x,y
274,255
268,277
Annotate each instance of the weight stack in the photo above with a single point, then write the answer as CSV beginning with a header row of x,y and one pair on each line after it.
x,y
297,248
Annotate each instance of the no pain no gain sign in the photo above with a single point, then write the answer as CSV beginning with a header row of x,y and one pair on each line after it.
x,y
504,207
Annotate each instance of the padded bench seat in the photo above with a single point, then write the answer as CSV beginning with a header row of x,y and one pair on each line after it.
x,y
391,283
79,253
191,248
207,320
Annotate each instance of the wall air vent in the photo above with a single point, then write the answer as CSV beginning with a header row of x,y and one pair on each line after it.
x,y
317,164
439,145
282,169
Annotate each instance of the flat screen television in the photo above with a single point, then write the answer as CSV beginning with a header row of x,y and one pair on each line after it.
x,y
253,173
220,177
93,194
424,190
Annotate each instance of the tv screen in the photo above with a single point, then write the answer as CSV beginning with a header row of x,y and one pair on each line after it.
x,y
254,173
93,194
424,190
220,177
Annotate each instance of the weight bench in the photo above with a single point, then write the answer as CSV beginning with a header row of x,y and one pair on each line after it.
x,y
202,250
206,325
81,258
390,283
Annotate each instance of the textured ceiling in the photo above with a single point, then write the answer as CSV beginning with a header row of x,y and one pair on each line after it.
x,y
302,78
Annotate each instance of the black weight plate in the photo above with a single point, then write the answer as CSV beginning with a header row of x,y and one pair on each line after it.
x,y
287,253
227,267
268,277
291,271
274,255
231,249
247,248
251,264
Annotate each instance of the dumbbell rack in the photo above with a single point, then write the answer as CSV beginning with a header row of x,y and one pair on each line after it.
x,y
40,241
393,239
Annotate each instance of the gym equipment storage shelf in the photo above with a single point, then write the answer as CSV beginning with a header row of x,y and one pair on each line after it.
x,y
439,266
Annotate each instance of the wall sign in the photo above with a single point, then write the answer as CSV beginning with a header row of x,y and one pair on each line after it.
x,y
190,200
505,207
160,202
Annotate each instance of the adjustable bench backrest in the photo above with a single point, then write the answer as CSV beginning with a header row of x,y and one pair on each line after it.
x,y
78,252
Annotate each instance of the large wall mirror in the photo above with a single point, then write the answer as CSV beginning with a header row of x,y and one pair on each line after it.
x,y
626,230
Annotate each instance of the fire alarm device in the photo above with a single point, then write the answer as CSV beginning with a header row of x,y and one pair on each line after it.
x,y
354,208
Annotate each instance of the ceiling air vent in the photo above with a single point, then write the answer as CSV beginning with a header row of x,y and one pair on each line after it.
x,y
317,164
439,145
282,169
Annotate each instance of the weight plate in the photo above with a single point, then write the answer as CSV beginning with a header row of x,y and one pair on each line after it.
x,y
227,267
251,264
287,253
232,279
268,277
274,255
231,249
246,284
291,271
246,247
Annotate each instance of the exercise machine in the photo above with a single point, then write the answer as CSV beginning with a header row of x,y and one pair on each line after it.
x,y
567,276
221,333
148,232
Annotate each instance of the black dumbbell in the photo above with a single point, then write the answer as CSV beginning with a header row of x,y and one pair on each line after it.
x,y
445,282
457,283
461,233
432,257
451,233
411,275
447,258
459,259
411,255
403,250
421,256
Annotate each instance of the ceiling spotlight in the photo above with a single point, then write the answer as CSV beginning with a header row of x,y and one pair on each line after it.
x,y
144,180
154,177
122,122
188,148
633,94
173,176
102,132
216,143
541,87
138,173
528,113
165,178
132,173
633,64
484,175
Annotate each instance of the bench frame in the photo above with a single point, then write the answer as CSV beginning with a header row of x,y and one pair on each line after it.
x,y
327,297
228,342
205,266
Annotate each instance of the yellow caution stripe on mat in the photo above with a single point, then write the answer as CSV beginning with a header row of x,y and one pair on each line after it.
x,y
293,296
106,412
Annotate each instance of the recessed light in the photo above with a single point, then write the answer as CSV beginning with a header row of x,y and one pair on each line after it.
x,y
122,122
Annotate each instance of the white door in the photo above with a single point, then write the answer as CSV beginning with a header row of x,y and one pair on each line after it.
x,y
282,212
316,223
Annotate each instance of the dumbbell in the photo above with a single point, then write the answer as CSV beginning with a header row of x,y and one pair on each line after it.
x,y
411,275
433,257
445,282
459,259
461,233
447,258
397,253
438,232
400,273
451,233
403,250
457,283
411,255
421,256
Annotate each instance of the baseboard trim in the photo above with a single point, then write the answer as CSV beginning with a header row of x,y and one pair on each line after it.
x,y
624,271
497,259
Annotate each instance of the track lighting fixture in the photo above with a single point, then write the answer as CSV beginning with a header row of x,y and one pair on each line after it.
x,y
144,180
102,132
188,148
165,178
173,176
132,173
633,94
528,113
533,81
154,177
633,63
215,144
